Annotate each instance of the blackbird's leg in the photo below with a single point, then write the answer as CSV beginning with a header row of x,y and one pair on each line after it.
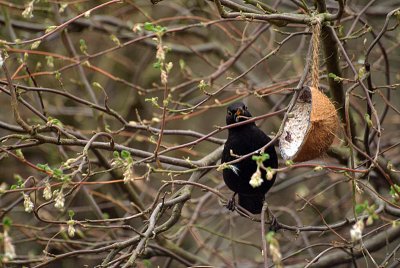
x,y
274,225
231,203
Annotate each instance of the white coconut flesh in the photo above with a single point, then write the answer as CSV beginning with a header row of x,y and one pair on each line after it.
x,y
295,130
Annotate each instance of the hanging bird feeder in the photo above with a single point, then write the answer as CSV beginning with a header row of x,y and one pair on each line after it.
x,y
311,128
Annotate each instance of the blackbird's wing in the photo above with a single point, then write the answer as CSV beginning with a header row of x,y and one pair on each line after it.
x,y
242,142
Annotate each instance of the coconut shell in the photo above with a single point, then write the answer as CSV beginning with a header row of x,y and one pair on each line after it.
x,y
312,129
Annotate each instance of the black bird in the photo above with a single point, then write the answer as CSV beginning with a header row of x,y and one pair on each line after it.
x,y
243,140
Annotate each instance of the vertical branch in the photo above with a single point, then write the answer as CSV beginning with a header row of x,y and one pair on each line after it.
x,y
14,101
369,110
352,158
264,240
165,69
332,65
160,136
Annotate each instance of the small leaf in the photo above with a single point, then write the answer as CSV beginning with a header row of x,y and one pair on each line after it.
x,y
264,157
340,30
147,263
19,153
58,75
148,26
361,72
50,61
289,162
7,222
270,235
54,121
50,28
359,208
335,77
57,173
157,65
71,213
26,55
182,64
125,154
115,40
35,44
153,101
19,179
368,120
96,84
83,46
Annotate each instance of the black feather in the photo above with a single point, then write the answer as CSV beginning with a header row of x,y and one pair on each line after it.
x,y
242,140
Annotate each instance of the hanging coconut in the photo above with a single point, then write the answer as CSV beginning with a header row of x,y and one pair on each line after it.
x,y
309,132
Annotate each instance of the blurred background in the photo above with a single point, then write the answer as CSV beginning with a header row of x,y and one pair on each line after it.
x,y
151,77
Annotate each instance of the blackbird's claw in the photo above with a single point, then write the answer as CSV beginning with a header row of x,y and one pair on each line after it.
x,y
231,203
274,226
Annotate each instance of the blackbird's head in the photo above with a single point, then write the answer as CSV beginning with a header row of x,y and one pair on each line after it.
x,y
237,112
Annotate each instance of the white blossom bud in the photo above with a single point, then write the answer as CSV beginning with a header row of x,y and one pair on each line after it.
x,y
28,204
274,249
9,249
129,174
276,254
168,66
59,199
71,228
318,168
356,231
160,54
256,179
138,27
270,174
27,13
164,77
47,194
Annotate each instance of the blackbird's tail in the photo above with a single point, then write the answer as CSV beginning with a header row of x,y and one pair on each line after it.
x,y
252,203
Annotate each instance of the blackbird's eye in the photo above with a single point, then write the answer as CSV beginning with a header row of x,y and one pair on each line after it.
x,y
229,113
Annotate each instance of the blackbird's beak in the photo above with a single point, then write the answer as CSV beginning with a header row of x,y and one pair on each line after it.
x,y
238,113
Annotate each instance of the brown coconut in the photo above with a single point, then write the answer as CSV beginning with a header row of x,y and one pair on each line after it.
x,y
311,130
